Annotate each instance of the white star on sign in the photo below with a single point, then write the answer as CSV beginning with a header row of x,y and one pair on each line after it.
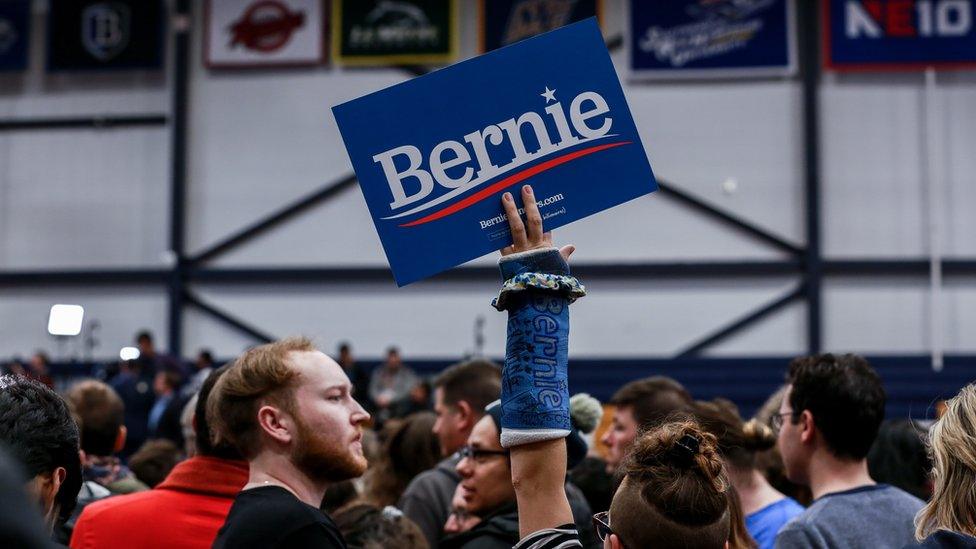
x,y
550,95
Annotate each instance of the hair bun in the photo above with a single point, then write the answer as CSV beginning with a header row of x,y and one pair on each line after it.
x,y
758,435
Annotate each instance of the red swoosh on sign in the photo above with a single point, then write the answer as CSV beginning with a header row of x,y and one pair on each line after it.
x,y
511,180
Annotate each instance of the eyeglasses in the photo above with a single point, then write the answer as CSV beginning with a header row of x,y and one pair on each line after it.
x,y
601,525
479,455
776,421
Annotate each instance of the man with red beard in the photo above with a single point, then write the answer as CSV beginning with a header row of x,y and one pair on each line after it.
x,y
288,408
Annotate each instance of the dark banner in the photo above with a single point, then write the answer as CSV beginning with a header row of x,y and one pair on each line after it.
x,y
899,35
505,22
14,34
113,34
711,38
377,32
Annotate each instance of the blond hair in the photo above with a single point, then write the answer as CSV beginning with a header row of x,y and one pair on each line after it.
x,y
259,376
952,442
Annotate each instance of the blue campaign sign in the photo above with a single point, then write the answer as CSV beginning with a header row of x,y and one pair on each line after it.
x,y
14,34
899,34
711,38
434,155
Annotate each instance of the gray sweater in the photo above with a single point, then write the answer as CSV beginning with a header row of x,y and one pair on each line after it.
x,y
873,517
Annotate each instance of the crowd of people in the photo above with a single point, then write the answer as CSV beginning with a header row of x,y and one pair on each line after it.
x,y
287,447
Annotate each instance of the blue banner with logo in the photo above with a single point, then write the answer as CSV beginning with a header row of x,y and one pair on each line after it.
x,y
711,38
505,22
899,34
14,34
105,34
434,155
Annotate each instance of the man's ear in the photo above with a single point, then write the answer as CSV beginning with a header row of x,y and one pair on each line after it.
x,y
615,542
807,427
466,417
276,424
120,439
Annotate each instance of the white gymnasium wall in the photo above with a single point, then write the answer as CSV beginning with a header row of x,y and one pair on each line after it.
x,y
261,139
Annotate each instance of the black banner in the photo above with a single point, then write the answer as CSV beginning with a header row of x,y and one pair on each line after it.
x,y
409,32
105,34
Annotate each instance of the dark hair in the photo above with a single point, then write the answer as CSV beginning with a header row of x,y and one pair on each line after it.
x,y
144,335
206,355
101,414
738,441
477,382
344,347
675,491
845,396
899,457
392,350
653,399
592,478
365,526
38,429
201,426
154,460
410,449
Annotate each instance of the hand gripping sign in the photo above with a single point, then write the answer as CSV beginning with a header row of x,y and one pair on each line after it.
x,y
433,155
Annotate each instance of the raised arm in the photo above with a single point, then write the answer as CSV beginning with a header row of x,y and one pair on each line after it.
x,y
537,292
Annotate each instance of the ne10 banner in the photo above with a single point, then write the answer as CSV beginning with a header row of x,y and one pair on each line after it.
x,y
435,154
899,34
505,22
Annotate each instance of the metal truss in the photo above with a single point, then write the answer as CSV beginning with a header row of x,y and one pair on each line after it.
x,y
805,262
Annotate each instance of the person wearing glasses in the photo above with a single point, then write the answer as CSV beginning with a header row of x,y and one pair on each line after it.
x,y
486,489
827,422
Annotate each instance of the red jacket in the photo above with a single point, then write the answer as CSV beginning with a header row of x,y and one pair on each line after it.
x,y
185,510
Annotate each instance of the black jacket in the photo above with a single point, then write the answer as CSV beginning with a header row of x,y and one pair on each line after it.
x,y
499,530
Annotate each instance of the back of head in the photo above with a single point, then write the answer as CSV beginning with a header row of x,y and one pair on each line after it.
x,y
261,374
675,491
738,441
899,457
845,396
37,428
154,460
477,382
410,449
365,526
953,503
201,422
101,413
653,399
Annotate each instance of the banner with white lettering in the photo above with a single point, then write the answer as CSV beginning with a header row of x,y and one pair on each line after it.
x,y
899,34
505,22
712,38
433,155
405,32
105,34
14,34
263,33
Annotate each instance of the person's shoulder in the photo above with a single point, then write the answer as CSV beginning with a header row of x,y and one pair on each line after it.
x,y
901,496
277,503
551,538
120,505
944,539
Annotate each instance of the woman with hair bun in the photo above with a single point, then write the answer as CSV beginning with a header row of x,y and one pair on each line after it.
x,y
949,518
766,509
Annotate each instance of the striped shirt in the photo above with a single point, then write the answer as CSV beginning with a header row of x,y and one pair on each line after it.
x,y
564,537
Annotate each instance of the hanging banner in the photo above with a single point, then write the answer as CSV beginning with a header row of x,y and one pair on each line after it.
x,y
712,38
112,34
899,34
435,154
505,22
14,34
264,33
405,32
